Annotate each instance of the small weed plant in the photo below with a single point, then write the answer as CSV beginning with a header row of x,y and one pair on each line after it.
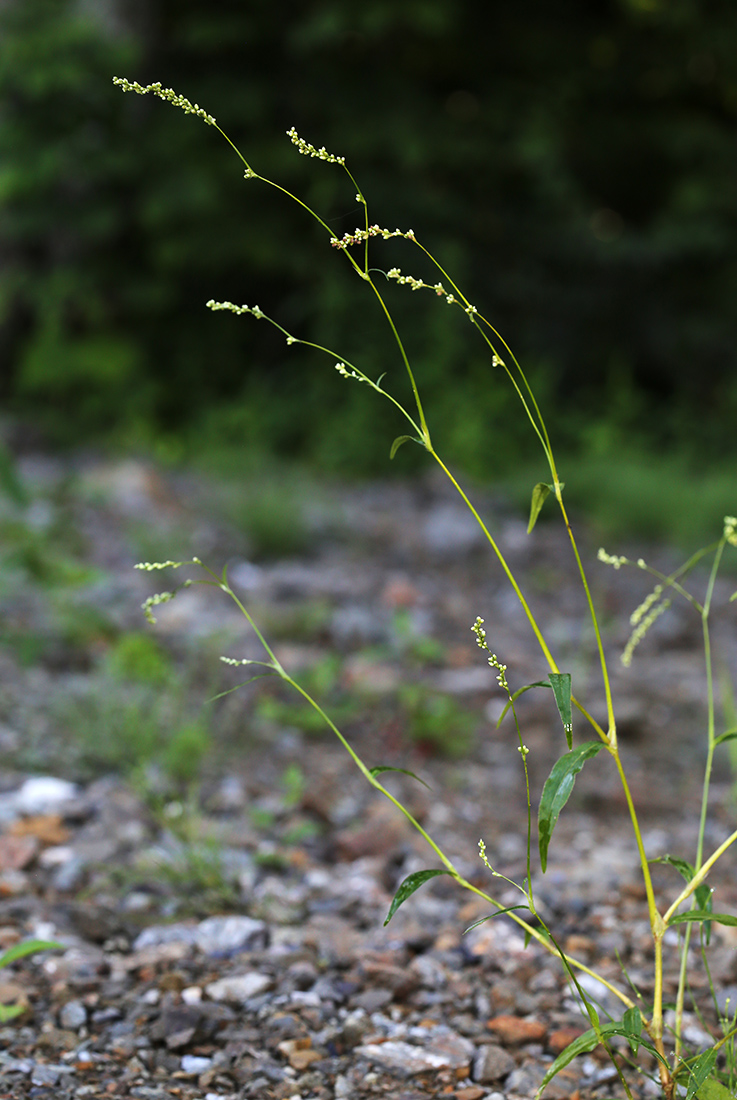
x,y
707,1074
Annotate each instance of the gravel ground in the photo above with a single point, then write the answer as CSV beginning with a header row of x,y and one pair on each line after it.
x,y
222,932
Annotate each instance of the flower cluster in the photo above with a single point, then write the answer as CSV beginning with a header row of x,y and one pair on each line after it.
x,y
308,150
253,310
359,235
611,559
167,94
485,859
641,630
639,613
154,601
420,284
149,566
730,530
494,662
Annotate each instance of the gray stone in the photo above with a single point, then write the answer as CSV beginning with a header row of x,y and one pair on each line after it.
x,y
159,934
239,988
492,1064
192,1063
524,1081
445,1050
73,1015
43,794
226,935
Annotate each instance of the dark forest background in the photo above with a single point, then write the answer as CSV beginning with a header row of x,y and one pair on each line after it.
x,y
573,165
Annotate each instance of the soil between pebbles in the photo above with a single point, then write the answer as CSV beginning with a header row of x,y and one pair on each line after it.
x,y
287,984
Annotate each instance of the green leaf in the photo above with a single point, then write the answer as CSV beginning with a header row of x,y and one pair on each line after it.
x,y
539,493
696,915
728,736
9,1012
584,1044
381,768
557,791
28,947
683,867
407,888
632,1022
713,1090
521,691
399,441
560,682
498,913
733,597
699,1070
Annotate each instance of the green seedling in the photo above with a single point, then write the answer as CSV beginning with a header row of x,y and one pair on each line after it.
x,y
581,736
21,951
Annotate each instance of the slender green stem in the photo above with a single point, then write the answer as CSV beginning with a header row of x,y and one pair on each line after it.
x,y
710,747
612,732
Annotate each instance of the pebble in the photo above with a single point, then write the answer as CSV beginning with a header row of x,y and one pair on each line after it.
x,y
227,935
239,988
492,1063
73,1015
444,1050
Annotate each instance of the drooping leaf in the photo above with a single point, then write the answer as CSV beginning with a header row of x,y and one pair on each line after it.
x,y
408,886
28,947
632,1021
584,1044
699,1070
557,791
728,736
399,441
539,494
683,867
587,1042
516,695
696,915
713,1090
381,768
498,913
560,682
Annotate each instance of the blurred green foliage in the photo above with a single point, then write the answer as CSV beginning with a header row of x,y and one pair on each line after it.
x,y
573,166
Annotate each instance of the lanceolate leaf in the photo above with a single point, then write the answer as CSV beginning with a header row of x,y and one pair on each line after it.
x,y
584,1044
557,791
696,915
683,867
407,888
632,1021
498,913
399,441
713,1090
28,947
381,768
561,685
728,736
587,1042
521,691
539,493
699,1070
